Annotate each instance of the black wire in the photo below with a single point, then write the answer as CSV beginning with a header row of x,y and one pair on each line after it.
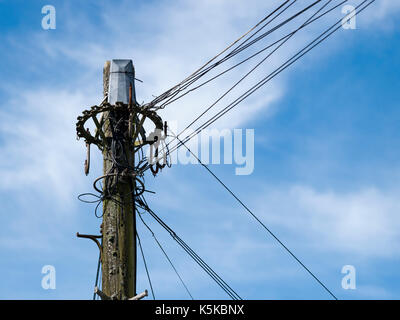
x,y
198,260
166,255
223,285
268,78
117,155
97,275
255,217
261,223
176,89
261,62
255,54
231,54
145,265
243,47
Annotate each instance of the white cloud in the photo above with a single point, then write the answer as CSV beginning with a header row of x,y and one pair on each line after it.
x,y
325,229
364,223
374,292
383,10
39,150
41,166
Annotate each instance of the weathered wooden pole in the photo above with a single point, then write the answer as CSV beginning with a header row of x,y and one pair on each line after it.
x,y
119,217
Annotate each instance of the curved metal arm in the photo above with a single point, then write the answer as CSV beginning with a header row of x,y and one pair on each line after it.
x,y
91,237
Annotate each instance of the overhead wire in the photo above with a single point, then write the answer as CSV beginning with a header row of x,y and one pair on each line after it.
x,y
165,254
257,53
97,275
145,265
301,53
194,256
260,62
169,92
231,54
322,37
222,284
238,49
261,223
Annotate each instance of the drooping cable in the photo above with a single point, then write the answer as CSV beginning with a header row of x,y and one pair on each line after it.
x,y
222,284
145,265
194,256
97,275
261,223
165,254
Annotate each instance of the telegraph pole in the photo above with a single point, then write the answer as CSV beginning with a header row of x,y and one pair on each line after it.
x,y
119,216
119,135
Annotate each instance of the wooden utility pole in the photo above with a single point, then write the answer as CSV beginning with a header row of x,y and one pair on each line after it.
x,y
119,216
119,134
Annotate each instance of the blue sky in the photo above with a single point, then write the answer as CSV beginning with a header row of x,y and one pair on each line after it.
x,y
326,176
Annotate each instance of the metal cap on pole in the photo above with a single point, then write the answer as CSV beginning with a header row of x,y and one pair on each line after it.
x,y
122,76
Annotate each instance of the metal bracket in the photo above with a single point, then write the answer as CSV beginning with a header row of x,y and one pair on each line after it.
x,y
91,237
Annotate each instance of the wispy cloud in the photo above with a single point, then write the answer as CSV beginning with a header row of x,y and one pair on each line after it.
x,y
40,152
364,222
